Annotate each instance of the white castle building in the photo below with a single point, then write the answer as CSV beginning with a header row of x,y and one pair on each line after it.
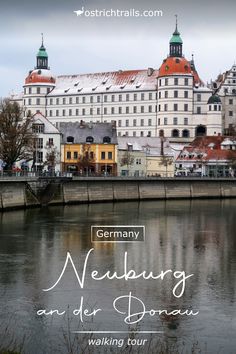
x,y
171,101
225,87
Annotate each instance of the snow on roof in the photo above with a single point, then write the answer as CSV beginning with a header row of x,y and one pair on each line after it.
x,y
107,81
150,145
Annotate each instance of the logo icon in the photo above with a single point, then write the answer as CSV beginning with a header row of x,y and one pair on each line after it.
x,y
79,12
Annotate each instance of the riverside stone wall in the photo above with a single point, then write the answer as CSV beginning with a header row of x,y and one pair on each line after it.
x,y
23,194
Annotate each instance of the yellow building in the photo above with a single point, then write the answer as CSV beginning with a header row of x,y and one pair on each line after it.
x,y
162,166
89,148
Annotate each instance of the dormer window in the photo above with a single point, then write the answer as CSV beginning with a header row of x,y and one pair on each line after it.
x,y
70,139
89,139
106,140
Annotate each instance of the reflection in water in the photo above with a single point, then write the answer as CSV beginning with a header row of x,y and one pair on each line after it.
x,y
194,236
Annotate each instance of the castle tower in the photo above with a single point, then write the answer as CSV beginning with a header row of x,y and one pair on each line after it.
x,y
38,84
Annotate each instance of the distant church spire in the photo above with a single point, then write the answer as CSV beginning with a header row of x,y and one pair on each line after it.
x,y
176,42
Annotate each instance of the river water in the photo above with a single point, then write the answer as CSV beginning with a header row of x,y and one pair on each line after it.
x,y
197,237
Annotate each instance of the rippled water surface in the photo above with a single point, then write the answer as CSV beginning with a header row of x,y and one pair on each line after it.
x,y
198,237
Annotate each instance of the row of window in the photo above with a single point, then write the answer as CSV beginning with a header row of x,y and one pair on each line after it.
x,y
134,133
97,111
89,139
176,107
39,143
233,91
176,94
176,133
135,122
174,121
121,110
89,155
38,90
98,99
176,82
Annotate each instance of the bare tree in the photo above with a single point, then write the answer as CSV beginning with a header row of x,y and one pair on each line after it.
x,y
86,159
127,159
166,161
16,136
52,157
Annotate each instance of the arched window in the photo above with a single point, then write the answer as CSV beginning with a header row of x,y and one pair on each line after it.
x,y
200,130
185,133
175,133
70,139
106,139
161,132
89,139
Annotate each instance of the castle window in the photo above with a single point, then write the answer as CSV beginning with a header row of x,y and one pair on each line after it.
x,y
175,120
175,133
38,90
185,121
70,139
185,133
89,139
176,81
186,82
185,94
165,121
106,140
175,94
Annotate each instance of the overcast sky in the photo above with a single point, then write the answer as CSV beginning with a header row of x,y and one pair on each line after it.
x,y
92,44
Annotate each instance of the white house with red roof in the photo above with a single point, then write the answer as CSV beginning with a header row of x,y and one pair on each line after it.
x,y
213,156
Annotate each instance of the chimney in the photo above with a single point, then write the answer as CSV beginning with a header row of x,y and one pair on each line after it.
x,y
162,146
150,71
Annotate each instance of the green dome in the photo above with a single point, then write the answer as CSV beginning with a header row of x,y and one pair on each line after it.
x,y
42,52
214,99
176,39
